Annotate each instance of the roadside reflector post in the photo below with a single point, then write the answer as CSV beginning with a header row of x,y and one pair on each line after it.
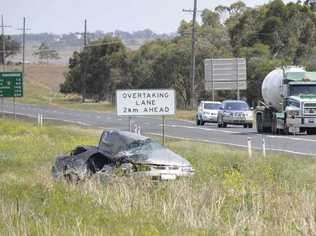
x,y
2,107
249,148
39,120
263,146
130,123
163,130
138,129
14,113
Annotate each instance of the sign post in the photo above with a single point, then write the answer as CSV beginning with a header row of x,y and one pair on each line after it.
x,y
11,85
146,102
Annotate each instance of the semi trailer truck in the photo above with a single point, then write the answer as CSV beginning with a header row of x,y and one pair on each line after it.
x,y
289,102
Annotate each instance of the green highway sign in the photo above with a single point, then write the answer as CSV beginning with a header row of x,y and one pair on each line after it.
x,y
11,84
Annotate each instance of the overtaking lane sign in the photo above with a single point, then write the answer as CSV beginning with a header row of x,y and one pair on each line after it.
x,y
11,84
145,102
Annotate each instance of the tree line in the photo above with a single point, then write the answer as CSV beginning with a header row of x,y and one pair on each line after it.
x,y
268,36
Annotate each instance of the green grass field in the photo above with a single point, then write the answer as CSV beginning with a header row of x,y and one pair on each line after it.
x,y
229,195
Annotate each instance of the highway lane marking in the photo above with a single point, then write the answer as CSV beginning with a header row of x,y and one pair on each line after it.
x,y
291,138
233,144
49,118
234,132
200,128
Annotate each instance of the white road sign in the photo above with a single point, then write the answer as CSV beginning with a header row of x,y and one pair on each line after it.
x,y
145,102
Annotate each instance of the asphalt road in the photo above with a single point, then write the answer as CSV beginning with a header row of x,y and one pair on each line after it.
x,y
235,136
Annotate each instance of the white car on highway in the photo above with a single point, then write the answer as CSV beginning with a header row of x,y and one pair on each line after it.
x,y
207,112
235,112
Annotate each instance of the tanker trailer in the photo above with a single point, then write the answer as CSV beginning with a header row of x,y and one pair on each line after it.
x,y
289,105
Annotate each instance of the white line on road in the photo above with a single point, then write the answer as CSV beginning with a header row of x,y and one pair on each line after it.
x,y
50,118
200,128
291,138
233,144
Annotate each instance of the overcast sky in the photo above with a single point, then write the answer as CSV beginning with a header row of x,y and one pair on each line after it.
x,y
63,16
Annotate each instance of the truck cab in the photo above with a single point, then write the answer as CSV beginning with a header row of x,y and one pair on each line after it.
x,y
289,102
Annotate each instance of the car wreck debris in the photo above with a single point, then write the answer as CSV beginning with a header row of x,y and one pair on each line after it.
x,y
121,152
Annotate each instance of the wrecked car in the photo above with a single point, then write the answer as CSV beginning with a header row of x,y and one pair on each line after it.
x,y
125,153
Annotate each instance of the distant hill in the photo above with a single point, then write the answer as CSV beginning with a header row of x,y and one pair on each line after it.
x,y
66,44
75,40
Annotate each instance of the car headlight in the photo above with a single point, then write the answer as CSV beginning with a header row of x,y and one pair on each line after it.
x,y
187,169
293,113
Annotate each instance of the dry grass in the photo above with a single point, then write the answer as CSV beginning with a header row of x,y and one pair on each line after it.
x,y
229,195
43,76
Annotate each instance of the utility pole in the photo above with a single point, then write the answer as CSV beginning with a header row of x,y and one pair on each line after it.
x,y
3,57
23,46
84,63
192,71
3,26
193,53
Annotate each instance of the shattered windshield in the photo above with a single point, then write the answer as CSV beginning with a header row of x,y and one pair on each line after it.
x,y
144,145
297,90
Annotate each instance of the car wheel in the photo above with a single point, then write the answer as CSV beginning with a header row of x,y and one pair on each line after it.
x,y
197,121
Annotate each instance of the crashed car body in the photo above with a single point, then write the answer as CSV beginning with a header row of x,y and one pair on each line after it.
x,y
129,152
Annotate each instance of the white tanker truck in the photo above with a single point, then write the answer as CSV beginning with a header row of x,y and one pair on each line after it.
x,y
289,105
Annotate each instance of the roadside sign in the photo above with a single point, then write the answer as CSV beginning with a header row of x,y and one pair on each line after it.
x,y
145,102
225,74
11,84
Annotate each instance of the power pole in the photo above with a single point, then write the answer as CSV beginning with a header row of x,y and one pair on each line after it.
x,y
84,63
23,46
192,71
193,53
3,41
3,57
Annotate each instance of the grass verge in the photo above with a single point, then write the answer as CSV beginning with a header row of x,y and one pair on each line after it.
x,y
229,194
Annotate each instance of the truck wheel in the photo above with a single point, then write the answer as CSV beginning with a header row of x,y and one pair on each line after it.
x,y
311,131
274,129
259,123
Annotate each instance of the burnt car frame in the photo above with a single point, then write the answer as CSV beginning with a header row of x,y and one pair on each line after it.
x,y
126,152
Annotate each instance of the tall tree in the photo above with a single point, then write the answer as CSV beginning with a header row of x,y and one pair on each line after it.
x,y
44,53
105,64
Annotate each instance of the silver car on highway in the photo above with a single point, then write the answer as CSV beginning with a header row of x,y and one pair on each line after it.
x,y
235,112
207,112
